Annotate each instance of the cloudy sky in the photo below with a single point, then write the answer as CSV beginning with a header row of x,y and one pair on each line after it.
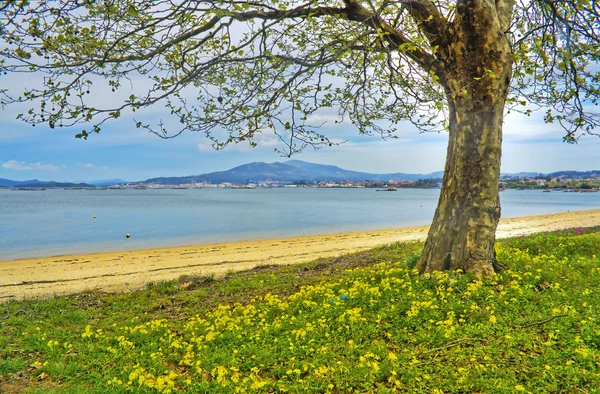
x,y
125,152
122,151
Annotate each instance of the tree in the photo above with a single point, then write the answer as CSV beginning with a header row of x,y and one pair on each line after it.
x,y
271,65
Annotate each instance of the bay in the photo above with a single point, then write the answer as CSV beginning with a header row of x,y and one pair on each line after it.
x,y
57,222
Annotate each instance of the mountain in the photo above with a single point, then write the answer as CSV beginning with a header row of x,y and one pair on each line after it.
x,y
340,174
522,175
290,171
252,172
575,174
52,184
9,183
564,173
34,183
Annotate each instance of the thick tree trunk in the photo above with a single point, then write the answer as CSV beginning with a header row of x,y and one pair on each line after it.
x,y
476,77
463,230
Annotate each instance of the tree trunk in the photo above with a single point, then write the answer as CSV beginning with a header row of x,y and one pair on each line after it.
x,y
476,77
463,231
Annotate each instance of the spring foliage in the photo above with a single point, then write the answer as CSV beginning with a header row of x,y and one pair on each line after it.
x,y
533,328
233,69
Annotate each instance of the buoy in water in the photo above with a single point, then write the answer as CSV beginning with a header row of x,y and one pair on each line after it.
x,y
127,235
94,216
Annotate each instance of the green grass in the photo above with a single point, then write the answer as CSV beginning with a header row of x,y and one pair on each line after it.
x,y
363,322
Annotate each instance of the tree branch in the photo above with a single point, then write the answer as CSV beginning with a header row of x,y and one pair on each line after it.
x,y
429,19
298,12
397,39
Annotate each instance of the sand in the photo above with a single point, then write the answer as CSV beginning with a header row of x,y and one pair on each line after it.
x,y
125,271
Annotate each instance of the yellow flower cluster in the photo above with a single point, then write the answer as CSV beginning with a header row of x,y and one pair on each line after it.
x,y
141,378
381,327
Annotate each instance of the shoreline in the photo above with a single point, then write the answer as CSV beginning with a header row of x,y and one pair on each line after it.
x,y
131,270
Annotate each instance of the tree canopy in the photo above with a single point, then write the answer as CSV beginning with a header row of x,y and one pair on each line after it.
x,y
271,66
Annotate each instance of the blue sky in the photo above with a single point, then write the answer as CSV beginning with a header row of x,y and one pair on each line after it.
x,y
122,151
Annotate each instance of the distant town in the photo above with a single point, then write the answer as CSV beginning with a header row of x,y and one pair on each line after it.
x,y
589,183
295,174
396,183
507,182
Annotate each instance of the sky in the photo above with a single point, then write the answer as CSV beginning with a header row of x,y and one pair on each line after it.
x,y
122,151
125,152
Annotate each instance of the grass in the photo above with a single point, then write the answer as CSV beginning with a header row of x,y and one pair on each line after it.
x,y
363,322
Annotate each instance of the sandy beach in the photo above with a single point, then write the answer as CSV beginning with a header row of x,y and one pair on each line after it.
x,y
124,271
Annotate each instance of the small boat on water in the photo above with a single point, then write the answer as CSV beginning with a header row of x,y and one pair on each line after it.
x,y
547,191
389,189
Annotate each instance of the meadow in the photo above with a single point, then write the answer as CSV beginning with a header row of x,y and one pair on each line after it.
x,y
364,322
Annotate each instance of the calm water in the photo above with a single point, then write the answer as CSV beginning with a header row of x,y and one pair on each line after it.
x,y
54,222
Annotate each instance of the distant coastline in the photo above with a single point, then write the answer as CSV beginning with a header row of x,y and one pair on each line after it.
x,y
301,173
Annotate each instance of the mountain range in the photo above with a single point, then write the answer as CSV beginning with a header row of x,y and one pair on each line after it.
x,y
297,170
34,183
289,171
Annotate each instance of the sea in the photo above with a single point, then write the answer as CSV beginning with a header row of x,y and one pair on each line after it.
x,y
52,222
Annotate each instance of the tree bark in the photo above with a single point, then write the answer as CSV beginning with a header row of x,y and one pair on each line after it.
x,y
462,234
478,67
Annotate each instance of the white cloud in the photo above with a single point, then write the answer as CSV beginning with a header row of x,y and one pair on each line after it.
x,y
379,156
205,147
551,156
530,128
94,167
15,165
330,119
267,139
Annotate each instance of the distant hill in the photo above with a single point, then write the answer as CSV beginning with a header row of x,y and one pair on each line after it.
x,y
9,183
563,173
575,174
52,184
341,174
246,173
290,171
34,183
522,175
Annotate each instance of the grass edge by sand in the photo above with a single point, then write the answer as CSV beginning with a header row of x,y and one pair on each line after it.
x,y
125,271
